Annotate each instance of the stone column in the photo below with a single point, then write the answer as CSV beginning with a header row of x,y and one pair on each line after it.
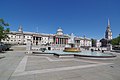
x,y
39,40
63,41
66,40
59,40
55,41
35,40
32,39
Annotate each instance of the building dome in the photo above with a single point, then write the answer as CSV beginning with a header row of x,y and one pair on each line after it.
x,y
59,31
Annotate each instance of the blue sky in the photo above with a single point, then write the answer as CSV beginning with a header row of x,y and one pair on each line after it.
x,y
81,17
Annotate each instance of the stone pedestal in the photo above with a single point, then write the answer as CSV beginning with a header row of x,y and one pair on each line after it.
x,y
109,47
28,47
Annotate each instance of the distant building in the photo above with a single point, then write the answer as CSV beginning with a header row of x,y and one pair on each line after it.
x,y
83,42
98,43
108,33
108,36
56,40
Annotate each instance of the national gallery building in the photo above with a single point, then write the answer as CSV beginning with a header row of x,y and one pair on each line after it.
x,y
58,39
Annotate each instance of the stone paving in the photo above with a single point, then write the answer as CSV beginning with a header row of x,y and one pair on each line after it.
x,y
18,66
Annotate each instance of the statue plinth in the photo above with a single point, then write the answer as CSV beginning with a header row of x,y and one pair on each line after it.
x,y
71,50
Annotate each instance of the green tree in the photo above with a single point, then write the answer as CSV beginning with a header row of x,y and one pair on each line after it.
x,y
115,41
3,31
93,42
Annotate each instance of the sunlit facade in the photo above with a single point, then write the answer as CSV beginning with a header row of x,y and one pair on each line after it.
x,y
59,39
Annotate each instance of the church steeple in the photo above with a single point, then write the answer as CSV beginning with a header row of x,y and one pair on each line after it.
x,y
108,33
108,22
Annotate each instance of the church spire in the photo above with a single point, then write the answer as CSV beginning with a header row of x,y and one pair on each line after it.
x,y
108,22
108,33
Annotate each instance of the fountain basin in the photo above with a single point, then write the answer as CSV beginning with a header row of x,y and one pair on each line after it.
x,y
83,54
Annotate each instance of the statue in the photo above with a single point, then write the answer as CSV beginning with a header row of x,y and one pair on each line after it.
x,y
72,47
72,38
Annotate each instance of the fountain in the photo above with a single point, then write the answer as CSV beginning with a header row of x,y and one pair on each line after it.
x,y
72,50
71,47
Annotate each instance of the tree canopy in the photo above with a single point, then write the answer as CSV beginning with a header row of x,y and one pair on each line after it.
x,y
93,42
115,41
3,30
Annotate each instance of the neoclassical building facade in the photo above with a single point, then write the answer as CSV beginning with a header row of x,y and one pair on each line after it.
x,y
59,39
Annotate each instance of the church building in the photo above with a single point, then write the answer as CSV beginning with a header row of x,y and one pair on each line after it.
x,y
108,33
108,36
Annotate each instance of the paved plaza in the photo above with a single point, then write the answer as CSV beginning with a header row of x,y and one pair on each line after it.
x,y
18,66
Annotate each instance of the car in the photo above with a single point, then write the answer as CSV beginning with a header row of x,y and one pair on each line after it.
x,y
4,47
43,49
7,46
0,48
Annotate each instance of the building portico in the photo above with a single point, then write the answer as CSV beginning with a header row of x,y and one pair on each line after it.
x,y
55,41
